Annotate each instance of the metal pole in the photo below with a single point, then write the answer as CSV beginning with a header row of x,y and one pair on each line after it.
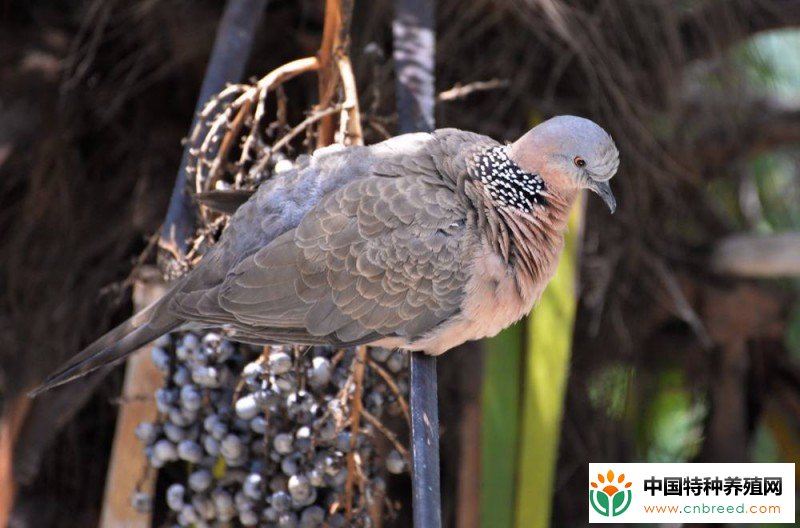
x,y
427,500
54,409
414,45
229,56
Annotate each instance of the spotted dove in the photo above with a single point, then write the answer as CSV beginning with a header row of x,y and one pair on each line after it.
x,y
421,242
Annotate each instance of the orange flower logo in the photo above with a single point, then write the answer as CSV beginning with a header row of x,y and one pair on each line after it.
x,y
610,498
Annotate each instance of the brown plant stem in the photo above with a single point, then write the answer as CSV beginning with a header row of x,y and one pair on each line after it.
x,y
356,409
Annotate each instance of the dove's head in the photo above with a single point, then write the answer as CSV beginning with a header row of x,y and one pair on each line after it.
x,y
569,153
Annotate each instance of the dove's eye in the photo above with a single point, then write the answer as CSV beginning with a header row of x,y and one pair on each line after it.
x,y
579,161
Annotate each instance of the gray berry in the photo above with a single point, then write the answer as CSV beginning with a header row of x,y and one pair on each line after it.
x,y
287,520
190,341
182,353
253,370
270,514
380,354
316,477
299,487
204,507
165,450
165,399
142,502
219,430
312,517
181,417
147,432
224,504
396,362
231,446
258,425
281,501
319,374
283,443
174,433
289,466
285,382
191,398
280,362
175,494
200,480
248,518
252,486
211,445
160,358
181,376
395,463
247,407
343,441
190,451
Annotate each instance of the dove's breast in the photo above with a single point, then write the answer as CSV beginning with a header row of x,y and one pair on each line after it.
x,y
494,300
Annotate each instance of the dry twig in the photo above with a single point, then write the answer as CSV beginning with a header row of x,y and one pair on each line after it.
x,y
394,388
388,434
356,410
461,91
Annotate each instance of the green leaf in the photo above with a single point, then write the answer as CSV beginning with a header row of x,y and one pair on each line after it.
x,y
500,427
545,375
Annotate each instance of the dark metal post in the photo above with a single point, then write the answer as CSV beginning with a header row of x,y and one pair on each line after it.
x,y
414,46
414,55
227,63
427,500
52,410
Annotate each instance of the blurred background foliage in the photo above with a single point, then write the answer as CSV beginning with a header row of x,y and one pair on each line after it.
x,y
672,353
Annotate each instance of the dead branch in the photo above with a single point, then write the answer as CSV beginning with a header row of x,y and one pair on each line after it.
x,y
334,46
294,132
356,410
460,91
388,434
236,106
393,387
350,121
757,256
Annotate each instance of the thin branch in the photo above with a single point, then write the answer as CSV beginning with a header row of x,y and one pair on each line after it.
x,y
369,417
334,46
356,410
393,387
462,91
310,120
350,122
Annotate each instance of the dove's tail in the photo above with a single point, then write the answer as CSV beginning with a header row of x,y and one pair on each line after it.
x,y
115,345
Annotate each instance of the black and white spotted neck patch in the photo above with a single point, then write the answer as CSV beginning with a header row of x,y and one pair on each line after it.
x,y
506,182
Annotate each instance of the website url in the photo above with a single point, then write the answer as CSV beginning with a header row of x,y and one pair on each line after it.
x,y
708,508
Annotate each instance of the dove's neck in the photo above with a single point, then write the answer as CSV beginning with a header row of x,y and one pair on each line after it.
x,y
535,240
524,214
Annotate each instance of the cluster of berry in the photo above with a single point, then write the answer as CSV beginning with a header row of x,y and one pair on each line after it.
x,y
265,434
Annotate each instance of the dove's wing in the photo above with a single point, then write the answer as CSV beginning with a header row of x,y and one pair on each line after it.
x,y
364,243
378,257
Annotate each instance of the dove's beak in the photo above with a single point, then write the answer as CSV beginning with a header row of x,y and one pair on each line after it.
x,y
603,190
